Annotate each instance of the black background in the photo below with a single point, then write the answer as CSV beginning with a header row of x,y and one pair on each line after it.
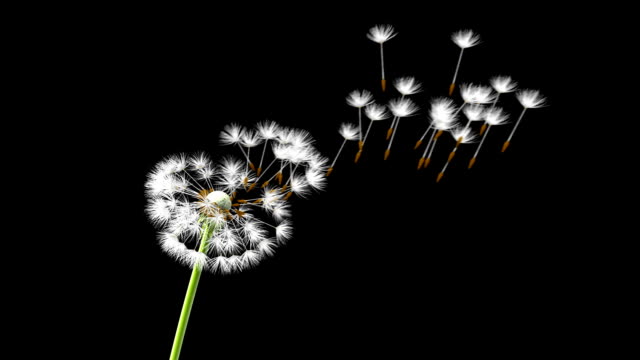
x,y
384,253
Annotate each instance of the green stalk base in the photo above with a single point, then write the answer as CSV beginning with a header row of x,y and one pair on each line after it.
x,y
207,230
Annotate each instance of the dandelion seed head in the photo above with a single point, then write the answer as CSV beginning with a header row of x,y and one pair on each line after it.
x,y
163,168
267,247
251,258
349,131
205,174
444,125
269,130
300,154
503,84
281,211
465,38
180,163
300,139
250,139
316,178
474,112
381,33
194,201
284,231
477,94
282,151
443,110
407,85
403,107
318,162
495,116
359,98
271,199
231,134
254,232
159,211
300,186
530,99
195,259
463,134
171,244
199,161
230,167
376,112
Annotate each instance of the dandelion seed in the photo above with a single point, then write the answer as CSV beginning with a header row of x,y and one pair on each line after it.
x,y
349,132
474,113
231,135
381,34
281,211
234,134
316,178
462,136
359,99
284,231
529,99
400,108
502,85
269,130
374,112
199,162
250,139
493,116
443,117
464,39
406,86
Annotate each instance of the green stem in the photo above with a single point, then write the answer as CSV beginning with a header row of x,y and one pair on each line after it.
x,y
207,230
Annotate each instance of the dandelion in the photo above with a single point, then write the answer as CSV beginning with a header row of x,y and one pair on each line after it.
x,y
462,136
359,99
529,99
406,86
349,132
209,221
200,225
400,108
381,34
493,116
464,39
374,112
443,117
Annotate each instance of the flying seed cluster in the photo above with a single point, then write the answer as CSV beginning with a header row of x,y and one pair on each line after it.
x,y
479,105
